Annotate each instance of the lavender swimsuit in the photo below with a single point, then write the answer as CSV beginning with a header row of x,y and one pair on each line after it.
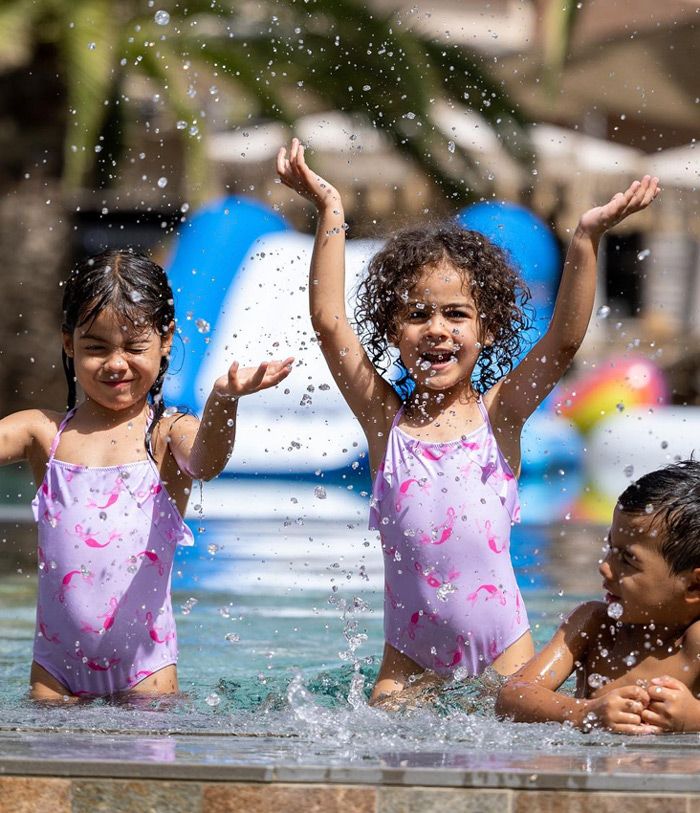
x,y
444,512
107,537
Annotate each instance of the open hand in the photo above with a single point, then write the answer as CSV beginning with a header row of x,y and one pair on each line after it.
x,y
672,706
246,380
294,173
637,197
620,710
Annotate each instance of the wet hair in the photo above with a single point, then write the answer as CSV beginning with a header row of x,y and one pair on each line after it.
x,y
136,289
671,496
500,295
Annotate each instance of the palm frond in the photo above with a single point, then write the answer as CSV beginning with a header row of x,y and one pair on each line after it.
x,y
559,21
89,50
161,67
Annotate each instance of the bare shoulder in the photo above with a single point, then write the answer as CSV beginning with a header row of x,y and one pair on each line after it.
x,y
27,435
378,427
499,413
587,616
691,641
34,424
173,429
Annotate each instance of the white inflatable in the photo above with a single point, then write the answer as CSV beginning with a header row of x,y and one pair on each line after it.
x,y
623,447
304,423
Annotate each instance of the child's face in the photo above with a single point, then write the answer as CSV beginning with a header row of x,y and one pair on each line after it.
x,y
116,363
438,333
637,576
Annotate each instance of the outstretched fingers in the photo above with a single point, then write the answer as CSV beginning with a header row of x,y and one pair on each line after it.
x,y
640,194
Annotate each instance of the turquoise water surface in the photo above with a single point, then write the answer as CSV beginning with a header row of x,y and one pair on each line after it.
x,y
280,630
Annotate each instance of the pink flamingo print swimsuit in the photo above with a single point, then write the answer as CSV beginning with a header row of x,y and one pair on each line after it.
x,y
107,537
444,512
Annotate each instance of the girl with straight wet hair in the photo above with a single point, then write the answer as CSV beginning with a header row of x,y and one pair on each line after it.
x,y
113,475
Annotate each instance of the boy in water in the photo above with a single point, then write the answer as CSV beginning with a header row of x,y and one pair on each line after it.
x,y
636,655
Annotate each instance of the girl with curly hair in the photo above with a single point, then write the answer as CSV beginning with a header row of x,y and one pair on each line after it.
x,y
445,451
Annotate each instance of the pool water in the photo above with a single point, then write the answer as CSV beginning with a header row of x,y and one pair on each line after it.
x,y
280,633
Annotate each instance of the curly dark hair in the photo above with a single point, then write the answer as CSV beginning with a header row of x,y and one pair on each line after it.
x,y
499,293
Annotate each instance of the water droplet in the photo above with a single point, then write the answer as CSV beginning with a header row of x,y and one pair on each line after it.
x,y
631,659
181,125
212,549
202,325
642,255
629,470
603,312
649,508
451,146
188,605
232,637
168,412
162,182
92,46
103,515
445,590
213,700
230,422
595,681
161,17
664,444
320,493
615,610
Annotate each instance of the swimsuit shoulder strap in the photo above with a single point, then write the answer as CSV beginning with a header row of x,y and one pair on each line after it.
x,y
397,417
484,413
59,432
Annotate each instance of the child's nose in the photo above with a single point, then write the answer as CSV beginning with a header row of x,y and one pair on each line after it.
x,y
437,326
604,568
115,361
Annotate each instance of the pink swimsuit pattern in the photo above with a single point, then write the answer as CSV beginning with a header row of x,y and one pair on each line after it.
x,y
107,537
444,512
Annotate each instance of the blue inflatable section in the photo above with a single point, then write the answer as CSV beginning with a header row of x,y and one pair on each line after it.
x,y
531,246
211,248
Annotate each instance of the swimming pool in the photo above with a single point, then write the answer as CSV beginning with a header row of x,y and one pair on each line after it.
x,y
280,629
279,612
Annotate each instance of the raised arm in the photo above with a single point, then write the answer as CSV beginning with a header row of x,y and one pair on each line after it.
x,y
202,449
530,695
365,391
522,390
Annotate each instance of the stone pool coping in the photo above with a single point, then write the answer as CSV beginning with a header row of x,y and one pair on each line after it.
x,y
666,765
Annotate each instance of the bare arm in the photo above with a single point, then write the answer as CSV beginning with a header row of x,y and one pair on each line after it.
x,y
521,391
202,449
19,431
530,695
672,704
365,391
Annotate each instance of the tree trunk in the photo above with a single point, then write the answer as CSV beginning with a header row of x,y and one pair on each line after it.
x,y
35,247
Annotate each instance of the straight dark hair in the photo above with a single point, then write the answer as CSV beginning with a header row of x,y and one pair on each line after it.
x,y
134,287
671,497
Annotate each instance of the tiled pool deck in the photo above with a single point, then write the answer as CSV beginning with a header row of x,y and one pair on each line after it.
x,y
80,772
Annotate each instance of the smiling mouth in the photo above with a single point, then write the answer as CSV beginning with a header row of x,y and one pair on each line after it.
x,y
434,358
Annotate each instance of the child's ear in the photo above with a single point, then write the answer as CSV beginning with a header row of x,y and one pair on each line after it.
x,y
68,344
166,341
692,593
